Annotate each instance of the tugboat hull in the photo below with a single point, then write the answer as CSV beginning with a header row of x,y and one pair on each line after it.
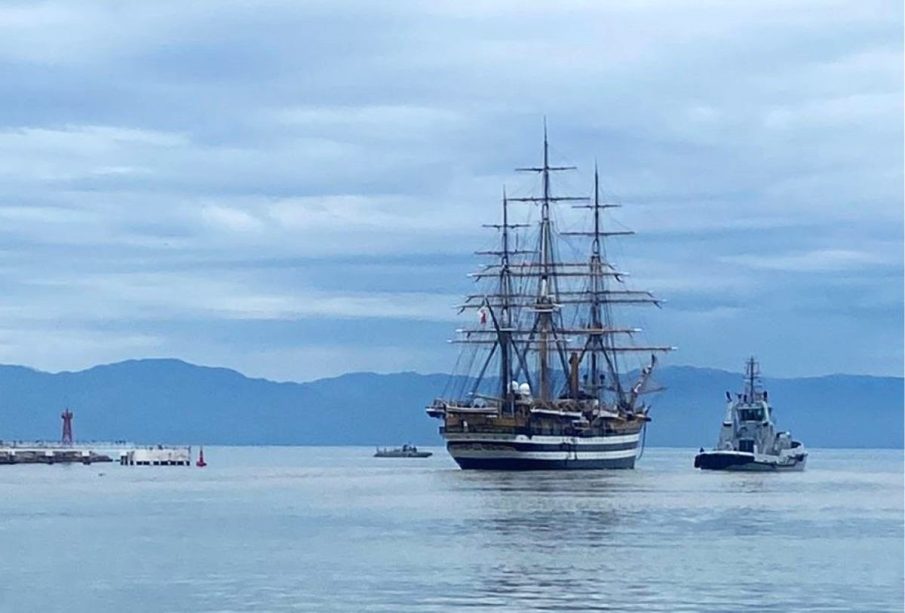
x,y
748,462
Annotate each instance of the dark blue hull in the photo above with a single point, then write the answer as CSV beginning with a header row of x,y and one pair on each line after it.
x,y
712,461
716,460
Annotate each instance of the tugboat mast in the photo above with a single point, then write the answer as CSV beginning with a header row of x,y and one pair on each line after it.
x,y
751,376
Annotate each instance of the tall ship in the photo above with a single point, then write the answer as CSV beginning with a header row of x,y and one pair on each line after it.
x,y
543,381
749,440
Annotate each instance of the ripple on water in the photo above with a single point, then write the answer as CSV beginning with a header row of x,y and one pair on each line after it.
x,y
290,529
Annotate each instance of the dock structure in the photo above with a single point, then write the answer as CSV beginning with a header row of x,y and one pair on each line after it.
x,y
67,451
158,455
127,454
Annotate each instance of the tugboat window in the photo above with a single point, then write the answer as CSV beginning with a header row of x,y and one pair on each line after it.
x,y
751,414
746,445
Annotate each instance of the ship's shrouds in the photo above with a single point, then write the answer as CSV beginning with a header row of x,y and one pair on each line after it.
x,y
544,384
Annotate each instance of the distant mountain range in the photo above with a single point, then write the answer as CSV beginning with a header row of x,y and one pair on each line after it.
x,y
152,401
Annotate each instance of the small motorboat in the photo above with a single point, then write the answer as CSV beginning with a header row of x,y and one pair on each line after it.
x,y
406,451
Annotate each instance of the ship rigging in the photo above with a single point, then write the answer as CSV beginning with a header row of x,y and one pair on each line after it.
x,y
560,398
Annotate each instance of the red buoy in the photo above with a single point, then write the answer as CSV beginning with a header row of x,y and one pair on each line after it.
x,y
201,463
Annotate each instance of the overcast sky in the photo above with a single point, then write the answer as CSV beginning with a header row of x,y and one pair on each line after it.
x,y
293,189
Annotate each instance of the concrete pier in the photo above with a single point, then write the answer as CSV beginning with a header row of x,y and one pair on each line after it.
x,y
46,454
127,454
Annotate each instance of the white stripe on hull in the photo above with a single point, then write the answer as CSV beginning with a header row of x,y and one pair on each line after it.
x,y
521,452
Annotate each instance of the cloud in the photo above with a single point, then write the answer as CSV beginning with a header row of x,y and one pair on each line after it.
x,y
822,260
230,218
242,164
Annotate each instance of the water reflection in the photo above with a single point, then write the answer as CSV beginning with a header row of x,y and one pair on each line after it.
x,y
546,537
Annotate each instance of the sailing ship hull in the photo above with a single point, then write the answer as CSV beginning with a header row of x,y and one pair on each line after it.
x,y
748,462
522,452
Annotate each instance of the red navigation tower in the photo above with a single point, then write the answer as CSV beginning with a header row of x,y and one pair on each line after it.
x,y
66,416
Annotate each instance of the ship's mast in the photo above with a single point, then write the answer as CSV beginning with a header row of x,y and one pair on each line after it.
x,y
498,307
505,328
599,308
596,282
544,304
530,319
601,334
547,292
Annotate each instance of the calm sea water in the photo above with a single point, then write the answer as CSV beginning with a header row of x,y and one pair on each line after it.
x,y
322,529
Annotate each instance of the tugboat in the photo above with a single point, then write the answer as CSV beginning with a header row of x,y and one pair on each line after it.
x,y
406,451
748,438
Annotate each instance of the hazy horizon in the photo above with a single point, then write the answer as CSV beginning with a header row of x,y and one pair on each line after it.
x,y
740,371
